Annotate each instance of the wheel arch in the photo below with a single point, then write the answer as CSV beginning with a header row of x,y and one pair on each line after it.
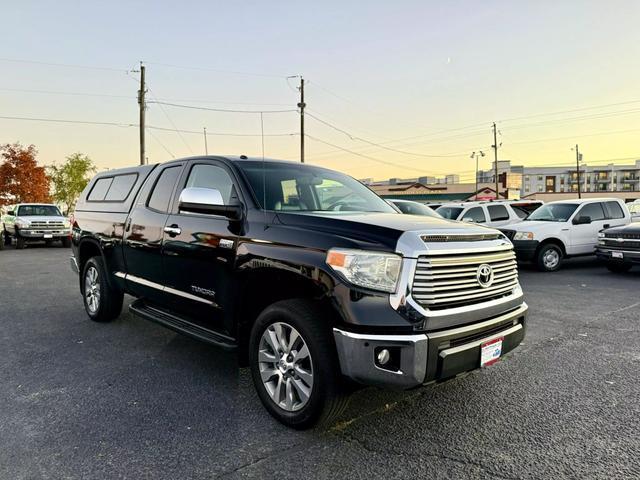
x,y
552,241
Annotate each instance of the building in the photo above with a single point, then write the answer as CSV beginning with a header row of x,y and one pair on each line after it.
x,y
426,180
436,193
597,179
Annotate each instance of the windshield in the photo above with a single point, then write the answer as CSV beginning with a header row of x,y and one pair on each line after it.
x,y
553,212
415,208
452,213
38,210
634,208
301,188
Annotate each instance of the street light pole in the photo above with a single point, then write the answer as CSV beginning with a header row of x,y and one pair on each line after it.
x,y
475,155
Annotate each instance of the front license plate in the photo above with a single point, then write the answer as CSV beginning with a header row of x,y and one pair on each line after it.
x,y
490,351
617,255
48,235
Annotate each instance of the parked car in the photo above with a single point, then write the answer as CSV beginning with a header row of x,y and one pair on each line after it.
x,y
491,213
619,247
634,210
304,271
563,229
414,208
28,222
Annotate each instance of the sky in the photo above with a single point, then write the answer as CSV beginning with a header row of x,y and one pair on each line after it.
x,y
405,88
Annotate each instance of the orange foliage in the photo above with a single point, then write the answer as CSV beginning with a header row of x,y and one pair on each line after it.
x,y
21,179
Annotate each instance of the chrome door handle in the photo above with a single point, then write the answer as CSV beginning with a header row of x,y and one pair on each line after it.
x,y
173,230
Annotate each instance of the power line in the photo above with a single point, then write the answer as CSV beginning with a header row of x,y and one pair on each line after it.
x,y
170,121
116,124
595,107
378,145
78,94
65,65
161,144
193,107
217,70
365,156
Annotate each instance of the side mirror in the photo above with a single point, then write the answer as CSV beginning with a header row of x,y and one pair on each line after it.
x,y
468,220
11,213
207,201
582,220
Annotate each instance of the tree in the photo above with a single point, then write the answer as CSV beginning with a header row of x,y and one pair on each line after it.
x,y
70,178
21,179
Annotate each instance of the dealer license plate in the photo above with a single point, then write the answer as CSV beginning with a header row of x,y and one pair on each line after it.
x,y
490,351
617,255
48,235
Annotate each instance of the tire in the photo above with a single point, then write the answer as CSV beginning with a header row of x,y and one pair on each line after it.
x,y
102,302
6,238
48,243
317,374
66,242
549,258
2,242
20,243
619,267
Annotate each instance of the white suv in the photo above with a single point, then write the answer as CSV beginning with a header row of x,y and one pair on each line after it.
x,y
489,213
566,228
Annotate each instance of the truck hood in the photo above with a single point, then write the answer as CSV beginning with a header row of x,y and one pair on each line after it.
x,y
37,218
533,225
383,228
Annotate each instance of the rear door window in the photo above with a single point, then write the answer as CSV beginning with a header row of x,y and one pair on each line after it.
x,y
498,212
613,210
593,211
476,214
162,190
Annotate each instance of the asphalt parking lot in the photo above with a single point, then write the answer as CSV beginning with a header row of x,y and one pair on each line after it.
x,y
130,399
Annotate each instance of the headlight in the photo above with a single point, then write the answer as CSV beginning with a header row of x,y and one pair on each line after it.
x,y
600,234
523,236
67,223
22,223
377,271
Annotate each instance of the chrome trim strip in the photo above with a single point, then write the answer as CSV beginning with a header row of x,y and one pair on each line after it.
x,y
475,343
481,325
382,338
609,250
164,288
73,263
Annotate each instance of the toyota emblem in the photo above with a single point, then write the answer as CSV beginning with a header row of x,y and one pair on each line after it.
x,y
484,275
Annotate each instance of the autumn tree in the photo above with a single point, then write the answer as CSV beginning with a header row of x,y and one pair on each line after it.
x,y
70,178
22,180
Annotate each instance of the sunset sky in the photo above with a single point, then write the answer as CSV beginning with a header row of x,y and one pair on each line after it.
x,y
421,78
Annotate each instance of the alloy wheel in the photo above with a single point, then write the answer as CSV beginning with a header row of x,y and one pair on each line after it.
x,y
92,289
286,367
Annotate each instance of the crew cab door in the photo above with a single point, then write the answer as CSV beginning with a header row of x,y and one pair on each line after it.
x,y
584,237
200,249
498,215
144,232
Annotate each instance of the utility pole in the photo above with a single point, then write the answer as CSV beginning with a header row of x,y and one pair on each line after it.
x,y
141,102
301,106
476,155
495,156
206,149
578,170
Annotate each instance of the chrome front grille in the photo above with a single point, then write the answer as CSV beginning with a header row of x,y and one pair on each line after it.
x,y
53,225
451,280
456,237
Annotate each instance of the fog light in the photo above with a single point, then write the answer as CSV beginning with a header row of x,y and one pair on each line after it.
x,y
383,356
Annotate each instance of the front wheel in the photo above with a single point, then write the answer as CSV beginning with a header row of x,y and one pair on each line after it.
x,y
20,243
619,267
294,365
66,242
549,258
102,302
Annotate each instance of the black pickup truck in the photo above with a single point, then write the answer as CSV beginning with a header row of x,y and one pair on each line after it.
x,y
312,278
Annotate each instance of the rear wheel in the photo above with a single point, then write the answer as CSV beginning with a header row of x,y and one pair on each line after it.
x,y
102,302
294,365
549,258
619,267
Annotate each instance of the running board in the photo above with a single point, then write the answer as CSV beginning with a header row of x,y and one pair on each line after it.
x,y
180,325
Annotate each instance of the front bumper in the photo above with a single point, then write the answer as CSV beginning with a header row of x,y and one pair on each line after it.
x,y
606,253
43,235
525,249
426,357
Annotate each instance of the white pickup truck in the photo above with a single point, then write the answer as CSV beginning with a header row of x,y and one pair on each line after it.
x,y
562,229
28,222
490,213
